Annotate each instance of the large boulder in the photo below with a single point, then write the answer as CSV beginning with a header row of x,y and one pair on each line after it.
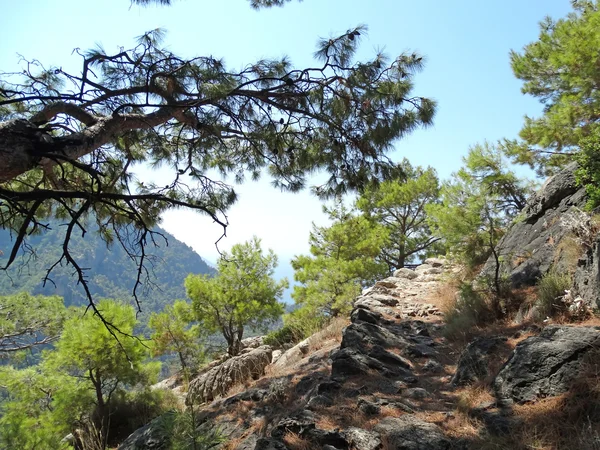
x,y
474,362
530,247
236,370
545,365
411,433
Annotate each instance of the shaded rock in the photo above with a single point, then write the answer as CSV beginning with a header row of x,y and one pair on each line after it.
x,y
365,315
255,395
388,358
305,384
410,433
152,436
384,299
416,393
545,365
328,387
349,361
221,378
360,439
420,351
319,401
364,335
269,444
404,272
367,407
432,366
473,364
586,281
299,423
324,438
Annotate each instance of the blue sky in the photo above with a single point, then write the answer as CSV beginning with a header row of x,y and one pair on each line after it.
x,y
465,43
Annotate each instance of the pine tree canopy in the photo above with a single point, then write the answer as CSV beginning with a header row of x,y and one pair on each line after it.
x,y
561,70
68,141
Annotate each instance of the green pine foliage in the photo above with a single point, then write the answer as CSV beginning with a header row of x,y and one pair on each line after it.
x,y
242,295
95,372
477,205
561,70
588,170
399,207
28,323
343,259
174,332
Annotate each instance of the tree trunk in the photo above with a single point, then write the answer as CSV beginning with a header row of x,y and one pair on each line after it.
x,y
102,409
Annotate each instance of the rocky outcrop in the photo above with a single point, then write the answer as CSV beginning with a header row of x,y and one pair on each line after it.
x,y
546,365
530,248
474,362
410,433
239,369
152,436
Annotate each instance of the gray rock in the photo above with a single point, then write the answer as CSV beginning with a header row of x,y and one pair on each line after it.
x,y
404,272
365,335
292,355
365,315
269,444
252,342
529,246
221,378
435,262
385,299
319,401
368,407
328,387
586,281
152,436
390,282
416,393
299,423
432,366
276,355
360,439
409,433
545,365
350,361
473,364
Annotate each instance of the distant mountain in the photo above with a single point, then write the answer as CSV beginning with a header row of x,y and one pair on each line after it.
x,y
111,273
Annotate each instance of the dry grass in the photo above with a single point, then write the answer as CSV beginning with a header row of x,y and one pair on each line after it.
x,y
445,296
295,442
332,332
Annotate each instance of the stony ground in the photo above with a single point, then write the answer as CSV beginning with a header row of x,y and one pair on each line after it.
x,y
388,379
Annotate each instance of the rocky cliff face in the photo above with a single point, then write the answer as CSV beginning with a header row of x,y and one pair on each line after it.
x,y
546,235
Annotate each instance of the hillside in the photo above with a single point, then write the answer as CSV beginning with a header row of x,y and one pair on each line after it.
x,y
111,272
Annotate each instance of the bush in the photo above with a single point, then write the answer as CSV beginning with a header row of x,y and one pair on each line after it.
x,y
469,311
288,334
135,409
551,290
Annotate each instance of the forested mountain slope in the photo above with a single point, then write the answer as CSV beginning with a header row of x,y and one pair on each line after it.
x,y
111,273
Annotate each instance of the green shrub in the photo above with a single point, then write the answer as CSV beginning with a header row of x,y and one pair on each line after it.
x,y
288,334
135,409
551,289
